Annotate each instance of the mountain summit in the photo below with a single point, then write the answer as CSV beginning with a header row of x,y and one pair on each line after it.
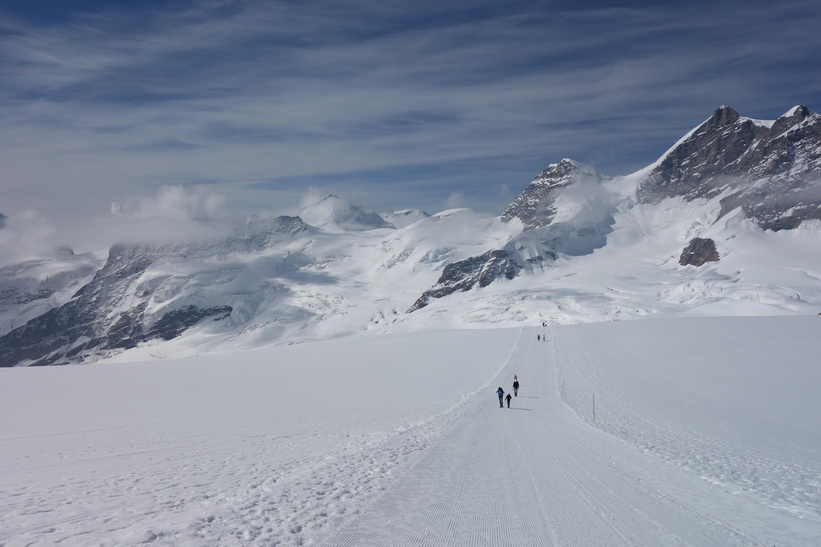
x,y
538,205
768,170
723,223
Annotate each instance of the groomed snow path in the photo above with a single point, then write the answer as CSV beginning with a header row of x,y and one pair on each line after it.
x,y
706,433
541,474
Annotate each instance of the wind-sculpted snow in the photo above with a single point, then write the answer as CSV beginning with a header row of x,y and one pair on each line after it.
x,y
656,432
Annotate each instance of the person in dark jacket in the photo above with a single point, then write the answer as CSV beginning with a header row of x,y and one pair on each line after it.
x,y
508,398
515,386
501,393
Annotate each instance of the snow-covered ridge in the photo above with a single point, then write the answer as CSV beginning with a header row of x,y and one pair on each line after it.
x,y
761,123
709,229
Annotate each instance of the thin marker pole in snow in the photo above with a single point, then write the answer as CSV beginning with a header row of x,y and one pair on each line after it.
x,y
594,408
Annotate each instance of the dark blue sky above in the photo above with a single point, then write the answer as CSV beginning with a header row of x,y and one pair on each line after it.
x,y
402,104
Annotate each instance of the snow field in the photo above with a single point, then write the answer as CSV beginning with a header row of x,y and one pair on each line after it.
x,y
258,447
704,435
732,401
537,474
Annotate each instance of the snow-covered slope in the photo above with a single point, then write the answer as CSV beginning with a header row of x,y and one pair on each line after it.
x,y
765,172
204,424
692,431
726,222
30,288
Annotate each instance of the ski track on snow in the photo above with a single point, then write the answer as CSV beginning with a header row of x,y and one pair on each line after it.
x,y
541,473
537,475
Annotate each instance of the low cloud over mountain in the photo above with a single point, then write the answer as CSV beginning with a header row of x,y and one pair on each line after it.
x,y
723,223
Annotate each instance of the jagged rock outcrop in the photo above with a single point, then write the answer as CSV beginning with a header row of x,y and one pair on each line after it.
x,y
465,274
698,252
258,282
770,171
536,206
565,211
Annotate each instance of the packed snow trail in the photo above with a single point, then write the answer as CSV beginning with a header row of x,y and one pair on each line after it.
x,y
265,447
537,474
705,434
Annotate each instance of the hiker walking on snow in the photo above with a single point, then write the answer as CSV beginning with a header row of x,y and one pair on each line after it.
x,y
501,393
508,398
515,386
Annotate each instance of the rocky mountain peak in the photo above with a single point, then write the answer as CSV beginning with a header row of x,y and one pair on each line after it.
x,y
768,169
737,156
535,206
724,115
794,116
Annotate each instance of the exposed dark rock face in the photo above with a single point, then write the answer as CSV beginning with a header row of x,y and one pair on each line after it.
x,y
699,252
83,326
536,205
17,296
702,158
544,238
770,172
465,274
109,313
176,322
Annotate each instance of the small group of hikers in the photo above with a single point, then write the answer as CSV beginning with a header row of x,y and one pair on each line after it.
x,y
501,393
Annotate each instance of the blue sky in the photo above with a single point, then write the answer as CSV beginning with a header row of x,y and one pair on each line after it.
x,y
423,104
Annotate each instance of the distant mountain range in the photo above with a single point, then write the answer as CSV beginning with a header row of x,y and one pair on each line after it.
x,y
768,170
338,268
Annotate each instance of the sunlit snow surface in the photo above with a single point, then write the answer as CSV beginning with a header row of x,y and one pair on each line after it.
x,y
705,432
667,405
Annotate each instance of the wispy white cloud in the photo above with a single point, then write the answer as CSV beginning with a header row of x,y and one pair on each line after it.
x,y
25,236
404,101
